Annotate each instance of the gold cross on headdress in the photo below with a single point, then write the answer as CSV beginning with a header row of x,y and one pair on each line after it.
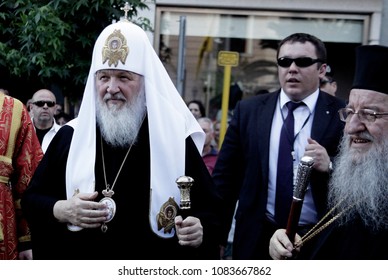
x,y
126,9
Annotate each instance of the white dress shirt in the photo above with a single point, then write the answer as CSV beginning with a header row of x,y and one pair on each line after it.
x,y
302,132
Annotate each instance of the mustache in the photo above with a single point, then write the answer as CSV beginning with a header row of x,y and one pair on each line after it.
x,y
363,135
117,96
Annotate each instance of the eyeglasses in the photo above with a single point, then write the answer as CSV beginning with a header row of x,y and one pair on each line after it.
x,y
41,103
299,61
364,115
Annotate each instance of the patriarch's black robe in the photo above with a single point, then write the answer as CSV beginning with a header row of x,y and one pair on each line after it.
x,y
129,234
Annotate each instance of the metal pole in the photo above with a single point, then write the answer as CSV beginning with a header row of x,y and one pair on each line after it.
x,y
225,103
384,24
181,55
226,59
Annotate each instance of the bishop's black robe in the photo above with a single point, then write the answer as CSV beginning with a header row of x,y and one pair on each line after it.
x,y
129,234
353,241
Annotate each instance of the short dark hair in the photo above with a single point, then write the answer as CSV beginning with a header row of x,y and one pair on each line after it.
x,y
64,115
200,106
326,80
320,48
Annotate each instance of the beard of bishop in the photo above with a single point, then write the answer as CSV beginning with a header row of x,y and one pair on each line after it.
x,y
361,179
120,126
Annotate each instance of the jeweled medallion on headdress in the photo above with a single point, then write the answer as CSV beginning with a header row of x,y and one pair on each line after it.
x,y
167,214
115,49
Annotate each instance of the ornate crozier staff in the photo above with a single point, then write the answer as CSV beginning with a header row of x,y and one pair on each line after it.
x,y
302,181
184,185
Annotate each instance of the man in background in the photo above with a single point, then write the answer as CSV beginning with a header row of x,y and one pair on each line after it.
x,y
209,152
43,107
327,83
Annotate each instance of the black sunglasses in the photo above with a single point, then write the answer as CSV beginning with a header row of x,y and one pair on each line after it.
x,y
299,61
41,103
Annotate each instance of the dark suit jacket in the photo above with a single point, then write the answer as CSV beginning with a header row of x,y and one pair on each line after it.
x,y
242,169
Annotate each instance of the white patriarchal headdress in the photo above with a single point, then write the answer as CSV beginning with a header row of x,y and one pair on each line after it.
x,y
125,46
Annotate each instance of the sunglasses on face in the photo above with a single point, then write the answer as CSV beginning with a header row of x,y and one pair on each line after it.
x,y
299,61
41,103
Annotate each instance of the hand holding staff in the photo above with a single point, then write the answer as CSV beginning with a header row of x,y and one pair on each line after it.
x,y
302,181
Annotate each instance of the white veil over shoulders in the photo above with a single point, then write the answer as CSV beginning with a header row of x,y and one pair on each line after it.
x,y
169,120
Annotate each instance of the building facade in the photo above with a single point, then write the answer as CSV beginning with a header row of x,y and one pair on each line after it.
x,y
188,36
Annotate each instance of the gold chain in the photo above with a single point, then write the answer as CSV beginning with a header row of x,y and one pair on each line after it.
x,y
320,227
108,188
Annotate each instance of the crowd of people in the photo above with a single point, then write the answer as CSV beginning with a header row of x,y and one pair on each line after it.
x,y
109,183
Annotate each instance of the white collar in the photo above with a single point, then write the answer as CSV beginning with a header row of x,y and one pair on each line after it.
x,y
310,100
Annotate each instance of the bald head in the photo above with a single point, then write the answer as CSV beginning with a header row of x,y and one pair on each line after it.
x,y
43,108
43,93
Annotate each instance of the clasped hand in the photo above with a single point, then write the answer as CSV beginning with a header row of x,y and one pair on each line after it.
x,y
81,210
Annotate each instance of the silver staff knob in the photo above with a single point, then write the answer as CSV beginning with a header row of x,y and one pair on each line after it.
x,y
184,185
303,177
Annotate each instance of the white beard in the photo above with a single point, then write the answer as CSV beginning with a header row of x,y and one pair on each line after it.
x,y
362,180
120,126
